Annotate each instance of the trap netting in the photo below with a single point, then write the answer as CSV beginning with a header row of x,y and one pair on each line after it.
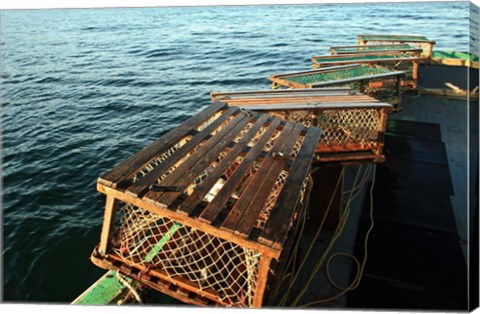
x,y
383,89
339,127
182,252
353,126
304,117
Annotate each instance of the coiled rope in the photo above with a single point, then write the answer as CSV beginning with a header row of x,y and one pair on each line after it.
x,y
357,187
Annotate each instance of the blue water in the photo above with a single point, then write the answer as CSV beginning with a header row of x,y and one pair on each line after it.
x,y
82,90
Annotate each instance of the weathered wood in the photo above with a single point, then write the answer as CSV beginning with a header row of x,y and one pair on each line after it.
x,y
280,217
262,279
448,93
200,159
105,290
142,185
206,185
246,211
363,39
323,106
108,222
388,48
135,162
178,281
217,204
345,157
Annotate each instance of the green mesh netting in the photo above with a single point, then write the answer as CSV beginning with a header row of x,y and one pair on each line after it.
x,y
336,75
360,58
392,38
372,48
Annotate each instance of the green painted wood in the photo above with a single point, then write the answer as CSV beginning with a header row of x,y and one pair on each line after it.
x,y
454,55
107,289
104,291
158,247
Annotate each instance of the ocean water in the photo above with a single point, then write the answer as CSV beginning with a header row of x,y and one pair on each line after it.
x,y
82,90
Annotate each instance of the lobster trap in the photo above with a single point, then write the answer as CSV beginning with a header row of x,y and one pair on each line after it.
x,y
353,125
379,83
421,42
206,213
377,49
391,61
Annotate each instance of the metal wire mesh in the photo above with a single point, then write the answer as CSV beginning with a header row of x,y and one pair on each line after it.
x,y
336,75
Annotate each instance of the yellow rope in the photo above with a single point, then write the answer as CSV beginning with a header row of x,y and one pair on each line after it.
x,y
353,193
130,287
360,268
293,256
294,278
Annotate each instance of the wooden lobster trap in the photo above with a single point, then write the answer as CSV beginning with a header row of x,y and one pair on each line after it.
x,y
377,49
206,213
393,62
421,42
379,83
353,125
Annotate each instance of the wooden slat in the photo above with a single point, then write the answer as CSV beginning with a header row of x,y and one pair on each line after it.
x,y
307,99
189,205
251,215
243,215
318,106
178,281
380,57
142,185
263,270
269,92
205,186
217,204
108,222
129,166
200,159
278,224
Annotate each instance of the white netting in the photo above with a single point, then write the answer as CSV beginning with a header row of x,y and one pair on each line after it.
x,y
304,117
158,160
353,126
183,252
